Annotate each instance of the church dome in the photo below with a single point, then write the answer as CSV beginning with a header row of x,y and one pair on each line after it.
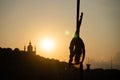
x,y
30,47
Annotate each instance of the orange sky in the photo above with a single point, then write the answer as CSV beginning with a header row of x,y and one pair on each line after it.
x,y
22,21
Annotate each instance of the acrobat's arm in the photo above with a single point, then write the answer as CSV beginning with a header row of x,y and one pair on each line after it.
x,y
83,52
83,57
71,48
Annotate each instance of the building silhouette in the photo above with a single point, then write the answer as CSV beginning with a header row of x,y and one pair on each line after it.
x,y
88,67
30,49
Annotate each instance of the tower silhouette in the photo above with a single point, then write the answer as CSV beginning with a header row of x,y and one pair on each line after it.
x,y
24,48
30,48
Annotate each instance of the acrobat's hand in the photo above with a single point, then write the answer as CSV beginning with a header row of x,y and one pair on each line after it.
x,y
70,64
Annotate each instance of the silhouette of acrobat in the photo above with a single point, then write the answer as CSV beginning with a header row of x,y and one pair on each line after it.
x,y
77,47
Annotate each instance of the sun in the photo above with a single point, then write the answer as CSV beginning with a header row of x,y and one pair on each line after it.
x,y
47,44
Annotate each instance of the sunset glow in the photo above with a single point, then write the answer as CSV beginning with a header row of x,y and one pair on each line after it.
x,y
50,26
47,45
